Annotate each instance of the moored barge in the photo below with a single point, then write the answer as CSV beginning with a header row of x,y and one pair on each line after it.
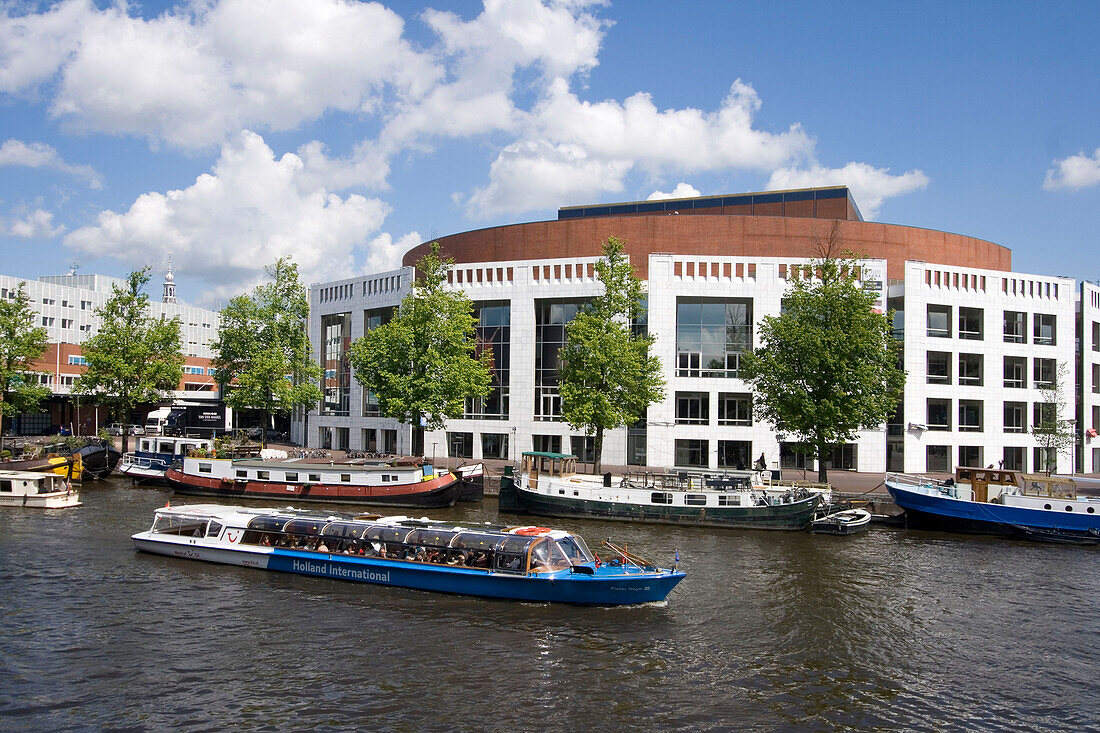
x,y
519,563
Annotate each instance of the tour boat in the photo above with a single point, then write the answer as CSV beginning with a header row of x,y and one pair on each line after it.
x,y
548,485
402,485
1034,506
843,522
36,489
518,563
155,454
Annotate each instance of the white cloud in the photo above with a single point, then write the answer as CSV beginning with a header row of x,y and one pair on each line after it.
x,y
870,186
40,155
570,141
385,253
682,191
38,224
251,209
1075,172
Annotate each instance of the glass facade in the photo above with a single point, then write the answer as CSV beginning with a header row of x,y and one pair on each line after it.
x,y
336,383
711,335
552,315
493,334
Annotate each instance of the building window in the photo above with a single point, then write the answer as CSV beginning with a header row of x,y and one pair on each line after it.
x,y
1043,414
735,454
336,383
460,445
1045,459
1016,372
552,315
1015,327
1044,329
370,404
546,443
691,453
1095,336
971,322
1096,378
1015,417
734,408
636,440
692,408
389,441
970,416
939,321
494,445
939,414
970,455
937,459
939,367
970,370
583,447
711,335
1013,458
493,334
1042,373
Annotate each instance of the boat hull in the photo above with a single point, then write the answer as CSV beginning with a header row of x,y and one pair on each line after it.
x,y
956,515
98,461
435,493
601,588
794,516
842,523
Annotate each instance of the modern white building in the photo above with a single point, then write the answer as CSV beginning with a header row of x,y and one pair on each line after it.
x,y
980,341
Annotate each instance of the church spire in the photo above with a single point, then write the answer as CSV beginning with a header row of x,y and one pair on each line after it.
x,y
169,284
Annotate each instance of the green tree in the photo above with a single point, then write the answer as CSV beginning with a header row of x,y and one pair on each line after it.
x,y
1053,434
133,357
608,377
827,366
262,353
424,363
21,344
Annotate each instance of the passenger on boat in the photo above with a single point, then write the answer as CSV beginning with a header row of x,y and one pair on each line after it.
x,y
421,555
265,540
321,546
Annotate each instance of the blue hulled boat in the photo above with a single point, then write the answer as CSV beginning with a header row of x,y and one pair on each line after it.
x,y
518,563
990,501
155,454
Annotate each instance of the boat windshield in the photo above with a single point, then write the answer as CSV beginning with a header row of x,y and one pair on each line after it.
x,y
179,525
547,557
575,550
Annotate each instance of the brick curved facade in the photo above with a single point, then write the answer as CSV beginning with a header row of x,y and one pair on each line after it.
x,y
722,235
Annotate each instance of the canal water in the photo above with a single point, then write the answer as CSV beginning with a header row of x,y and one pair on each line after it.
x,y
894,629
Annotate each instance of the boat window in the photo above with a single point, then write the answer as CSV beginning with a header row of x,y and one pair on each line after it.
x,y
242,474
5,485
204,468
145,445
695,499
292,477
546,556
729,500
430,537
475,541
575,550
386,534
342,529
214,529
165,447
177,525
263,475
315,477
267,524
345,477
511,553
305,526
660,497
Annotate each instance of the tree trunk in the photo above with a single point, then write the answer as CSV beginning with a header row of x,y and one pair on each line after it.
x,y
597,451
263,429
822,472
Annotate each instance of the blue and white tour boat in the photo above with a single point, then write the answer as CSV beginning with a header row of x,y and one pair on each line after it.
x,y
518,563
155,454
991,501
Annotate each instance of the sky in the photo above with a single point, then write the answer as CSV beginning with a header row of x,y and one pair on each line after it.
x,y
228,133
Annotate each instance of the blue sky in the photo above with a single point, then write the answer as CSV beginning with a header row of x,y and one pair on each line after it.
x,y
232,132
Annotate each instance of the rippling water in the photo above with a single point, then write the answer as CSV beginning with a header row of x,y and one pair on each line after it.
x,y
891,629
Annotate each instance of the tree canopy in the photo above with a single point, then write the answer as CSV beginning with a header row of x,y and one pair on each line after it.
x,y
133,357
21,344
262,352
424,363
608,377
827,366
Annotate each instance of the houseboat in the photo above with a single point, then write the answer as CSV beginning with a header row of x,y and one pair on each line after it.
x,y
547,484
155,454
405,485
990,501
36,489
518,563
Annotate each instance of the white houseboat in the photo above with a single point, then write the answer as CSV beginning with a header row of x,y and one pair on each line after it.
x,y
39,490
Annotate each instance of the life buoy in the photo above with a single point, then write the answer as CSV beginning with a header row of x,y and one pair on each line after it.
x,y
531,530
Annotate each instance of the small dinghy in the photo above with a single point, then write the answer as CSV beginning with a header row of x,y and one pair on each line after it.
x,y
845,522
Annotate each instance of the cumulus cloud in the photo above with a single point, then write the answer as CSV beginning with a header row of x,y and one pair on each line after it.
x,y
567,141
870,186
251,209
1075,172
38,224
682,191
40,155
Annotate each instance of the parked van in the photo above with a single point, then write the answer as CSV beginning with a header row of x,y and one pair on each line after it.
x,y
156,421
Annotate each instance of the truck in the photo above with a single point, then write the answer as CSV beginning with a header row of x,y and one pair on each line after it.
x,y
156,421
189,420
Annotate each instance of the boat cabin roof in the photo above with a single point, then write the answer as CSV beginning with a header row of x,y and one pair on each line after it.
x,y
24,475
996,476
1040,484
555,464
284,465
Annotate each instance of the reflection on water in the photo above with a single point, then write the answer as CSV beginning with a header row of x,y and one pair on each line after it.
x,y
770,630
